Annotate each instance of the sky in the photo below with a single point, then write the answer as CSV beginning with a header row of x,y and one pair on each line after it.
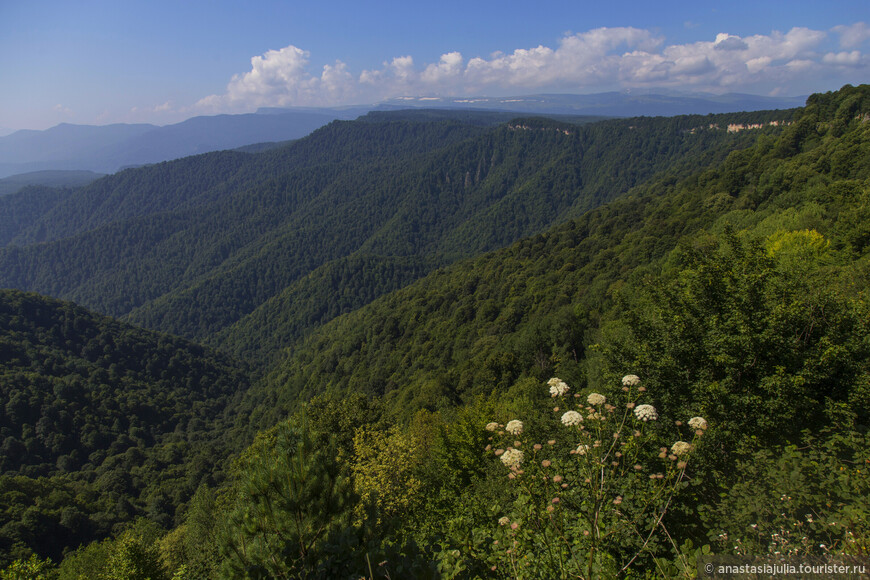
x,y
157,61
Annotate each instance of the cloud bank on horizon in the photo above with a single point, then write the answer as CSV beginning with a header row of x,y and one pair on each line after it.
x,y
601,59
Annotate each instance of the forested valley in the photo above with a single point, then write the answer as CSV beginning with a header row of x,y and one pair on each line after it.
x,y
436,344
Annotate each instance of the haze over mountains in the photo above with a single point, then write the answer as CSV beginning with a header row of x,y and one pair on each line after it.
x,y
106,149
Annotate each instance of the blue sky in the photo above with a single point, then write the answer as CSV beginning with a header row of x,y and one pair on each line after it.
x,y
98,62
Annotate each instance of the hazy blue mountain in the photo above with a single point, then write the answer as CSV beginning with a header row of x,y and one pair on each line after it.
x,y
107,149
205,134
64,146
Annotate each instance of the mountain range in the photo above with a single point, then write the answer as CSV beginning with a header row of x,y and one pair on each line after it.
x,y
193,246
366,318
106,149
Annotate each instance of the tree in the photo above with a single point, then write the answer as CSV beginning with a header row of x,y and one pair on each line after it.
x,y
31,569
293,509
756,334
134,557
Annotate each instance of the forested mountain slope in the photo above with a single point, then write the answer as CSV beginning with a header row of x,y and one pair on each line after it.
x,y
15,183
175,236
192,246
482,324
20,210
101,421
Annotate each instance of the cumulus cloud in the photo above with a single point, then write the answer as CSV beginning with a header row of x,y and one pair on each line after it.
x,y
854,35
599,59
727,42
281,78
447,69
853,58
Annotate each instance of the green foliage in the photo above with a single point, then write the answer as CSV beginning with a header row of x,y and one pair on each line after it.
x,y
798,501
101,421
191,549
384,471
134,556
755,341
483,324
590,496
292,514
86,562
20,210
333,289
31,569
52,178
196,245
728,269
143,233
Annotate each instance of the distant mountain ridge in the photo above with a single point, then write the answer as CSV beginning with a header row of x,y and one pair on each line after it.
x,y
108,148
611,104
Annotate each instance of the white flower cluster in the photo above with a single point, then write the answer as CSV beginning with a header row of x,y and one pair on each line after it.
x,y
646,413
630,380
596,399
698,423
681,448
581,449
491,426
514,427
504,520
512,457
558,387
572,418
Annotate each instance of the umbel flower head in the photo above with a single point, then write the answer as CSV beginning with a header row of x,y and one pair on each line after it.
x,y
512,457
681,448
698,423
630,380
491,426
572,418
514,427
596,399
558,387
646,413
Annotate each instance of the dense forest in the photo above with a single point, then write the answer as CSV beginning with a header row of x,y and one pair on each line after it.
x,y
446,347
101,421
195,245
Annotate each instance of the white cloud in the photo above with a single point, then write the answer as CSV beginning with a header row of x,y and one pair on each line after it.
x,y
447,69
854,35
725,41
753,65
852,58
596,60
281,78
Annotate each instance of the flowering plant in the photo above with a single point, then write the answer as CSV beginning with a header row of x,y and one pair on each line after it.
x,y
589,501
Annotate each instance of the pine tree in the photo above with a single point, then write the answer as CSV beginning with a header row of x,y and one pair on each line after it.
x,y
293,510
